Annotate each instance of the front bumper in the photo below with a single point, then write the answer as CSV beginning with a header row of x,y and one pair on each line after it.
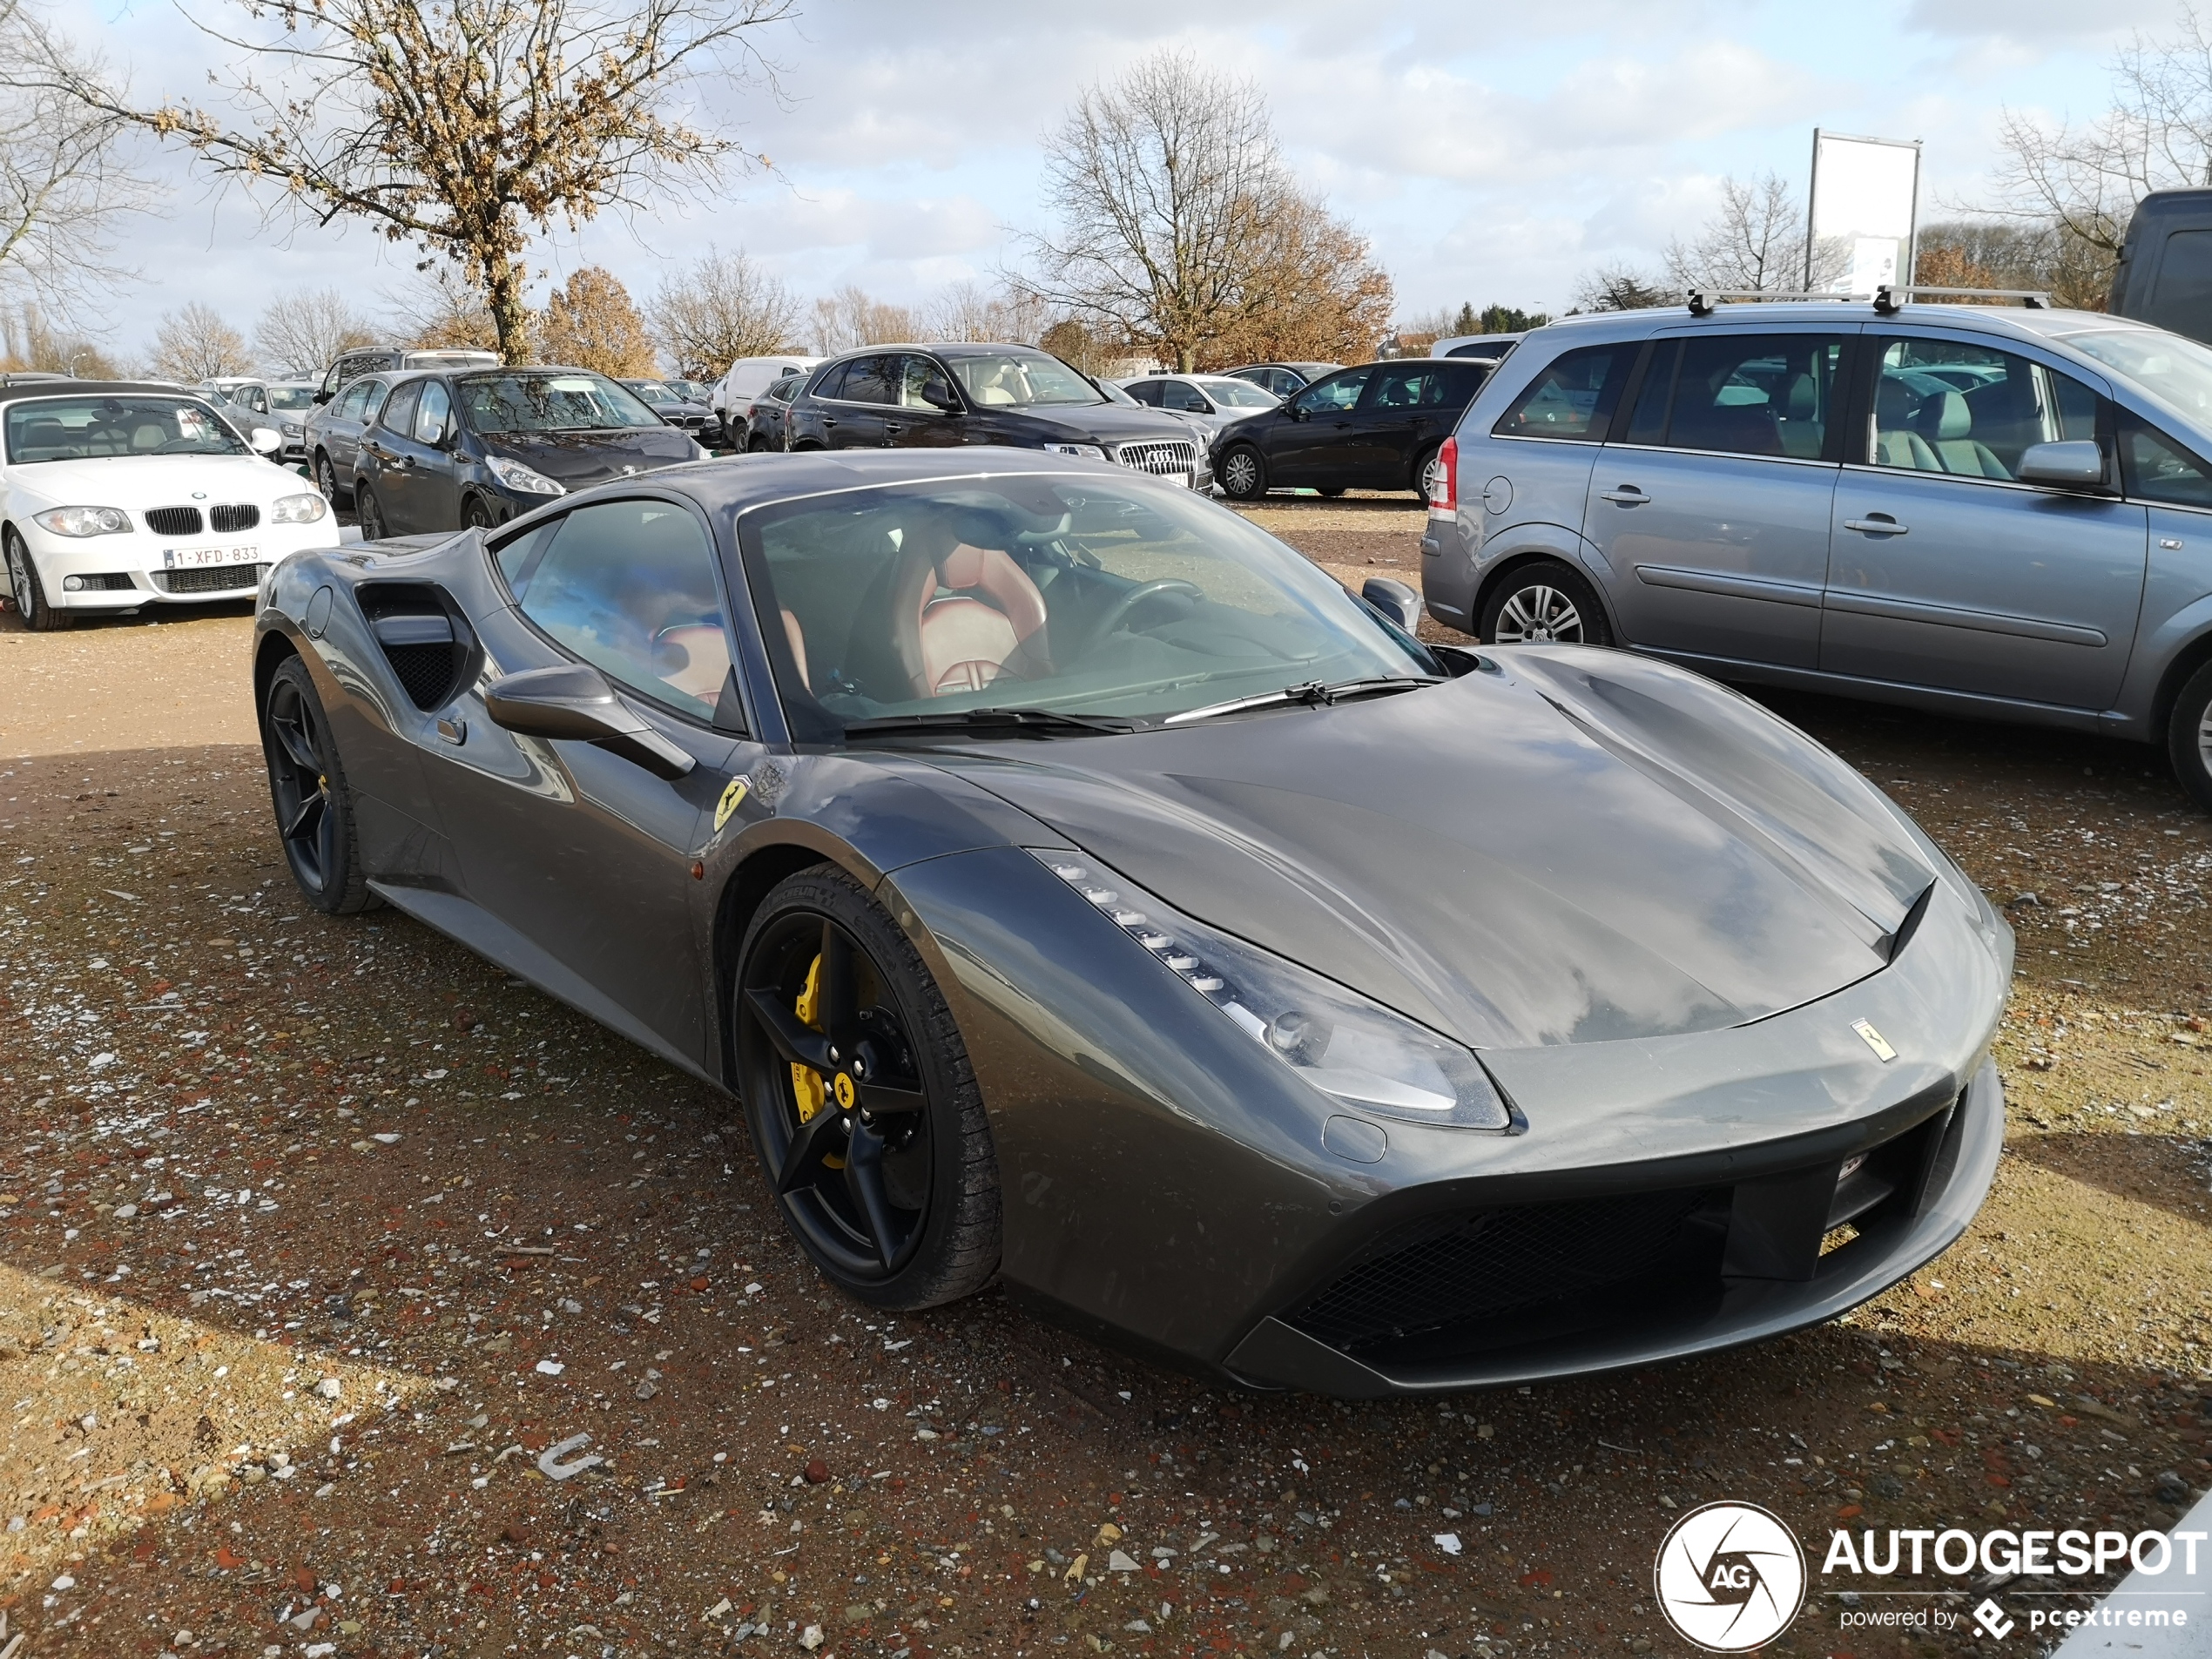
x,y
126,572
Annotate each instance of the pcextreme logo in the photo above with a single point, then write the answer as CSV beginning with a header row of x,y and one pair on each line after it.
x,y
1730,1577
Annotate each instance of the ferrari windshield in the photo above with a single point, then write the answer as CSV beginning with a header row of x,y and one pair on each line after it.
x,y
76,428
558,402
1066,594
1020,380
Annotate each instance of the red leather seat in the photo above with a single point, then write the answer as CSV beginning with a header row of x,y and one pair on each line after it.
x,y
966,618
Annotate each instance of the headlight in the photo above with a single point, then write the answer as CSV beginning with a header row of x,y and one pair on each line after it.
x,y
1361,1053
293,429
299,510
523,481
1087,451
84,521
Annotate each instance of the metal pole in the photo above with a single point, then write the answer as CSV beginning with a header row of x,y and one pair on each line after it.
x,y
1812,204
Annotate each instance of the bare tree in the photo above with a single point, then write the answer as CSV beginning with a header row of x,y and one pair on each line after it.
x,y
440,308
30,339
196,344
2015,254
462,126
1620,287
302,332
853,317
967,310
722,308
1181,228
1754,243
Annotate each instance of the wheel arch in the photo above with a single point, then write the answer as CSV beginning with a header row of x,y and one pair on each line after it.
x,y
1510,563
269,654
2179,667
749,883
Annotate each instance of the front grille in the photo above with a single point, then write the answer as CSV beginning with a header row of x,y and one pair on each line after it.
x,y
173,521
216,578
242,515
1171,456
1443,1269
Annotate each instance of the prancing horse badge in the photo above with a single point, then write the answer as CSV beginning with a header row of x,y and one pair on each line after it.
x,y
1875,1040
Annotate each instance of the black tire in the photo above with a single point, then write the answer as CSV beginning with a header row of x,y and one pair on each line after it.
x,y
326,478
1544,600
314,808
476,515
368,515
907,1217
1328,492
1243,474
756,445
2188,737
30,593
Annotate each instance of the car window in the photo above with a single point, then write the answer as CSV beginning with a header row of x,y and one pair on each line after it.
x,y
432,419
563,400
349,408
1969,409
1573,396
399,408
629,587
1182,395
1424,385
1334,394
2158,469
1239,395
73,428
915,374
1021,380
1147,392
871,380
373,400
291,399
1746,394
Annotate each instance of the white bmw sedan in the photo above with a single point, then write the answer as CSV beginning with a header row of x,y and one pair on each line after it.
x,y
115,495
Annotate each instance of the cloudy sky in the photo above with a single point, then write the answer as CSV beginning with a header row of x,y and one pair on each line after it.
x,y
1486,160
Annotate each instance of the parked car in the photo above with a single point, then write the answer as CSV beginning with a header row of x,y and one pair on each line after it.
x,y
746,379
926,397
250,401
769,425
334,433
446,451
2165,271
1281,378
366,360
1210,401
1799,494
1195,955
1376,427
696,391
1491,348
679,411
116,495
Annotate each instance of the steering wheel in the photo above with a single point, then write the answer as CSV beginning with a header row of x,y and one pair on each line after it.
x,y
1136,595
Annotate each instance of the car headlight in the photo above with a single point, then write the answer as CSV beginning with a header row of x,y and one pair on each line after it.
x,y
1342,1043
299,510
84,521
523,481
293,429
1087,451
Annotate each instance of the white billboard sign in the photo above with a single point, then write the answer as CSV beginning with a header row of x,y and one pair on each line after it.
x,y
1864,210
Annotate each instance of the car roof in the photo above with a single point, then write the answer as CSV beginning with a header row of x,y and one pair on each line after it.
x,y
2013,321
19,393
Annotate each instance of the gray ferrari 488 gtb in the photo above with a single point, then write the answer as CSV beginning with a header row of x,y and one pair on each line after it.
x,y
1078,888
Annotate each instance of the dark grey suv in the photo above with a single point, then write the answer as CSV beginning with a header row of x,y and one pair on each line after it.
x,y
1988,512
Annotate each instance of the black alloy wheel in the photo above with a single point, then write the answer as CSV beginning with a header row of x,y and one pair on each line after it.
x,y
1544,600
325,478
2188,737
368,515
860,1099
476,515
1243,474
30,593
314,813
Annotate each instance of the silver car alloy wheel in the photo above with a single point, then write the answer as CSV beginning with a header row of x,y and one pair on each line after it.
x,y
1240,473
1539,612
18,579
2204,738
1432,476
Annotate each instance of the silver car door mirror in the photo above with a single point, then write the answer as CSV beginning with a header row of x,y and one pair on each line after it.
x,y
2076,464
1394,599
573,701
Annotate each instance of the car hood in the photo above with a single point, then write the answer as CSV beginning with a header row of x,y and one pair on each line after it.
x,y
579,458
1092,423
155,480
1582,846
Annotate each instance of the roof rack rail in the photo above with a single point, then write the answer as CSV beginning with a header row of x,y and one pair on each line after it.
x,y
1702,300
1891,295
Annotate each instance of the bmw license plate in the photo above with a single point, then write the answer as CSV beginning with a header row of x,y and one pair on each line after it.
x,y
187,558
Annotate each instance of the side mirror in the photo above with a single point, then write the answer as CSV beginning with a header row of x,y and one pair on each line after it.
x,y
2076,464
321,398
1394,599
573,701
1297,411
265,441
939,396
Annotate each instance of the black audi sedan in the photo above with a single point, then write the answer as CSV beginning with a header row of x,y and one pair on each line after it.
x,y
1376,427
942,396
446,451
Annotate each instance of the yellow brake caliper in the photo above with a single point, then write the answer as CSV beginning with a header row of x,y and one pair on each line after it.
x,y
806,1081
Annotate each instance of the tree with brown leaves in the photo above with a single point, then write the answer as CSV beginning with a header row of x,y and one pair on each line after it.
x,y
463,126
591,323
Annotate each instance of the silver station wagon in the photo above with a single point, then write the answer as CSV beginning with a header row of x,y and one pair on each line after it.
x,y
1982,511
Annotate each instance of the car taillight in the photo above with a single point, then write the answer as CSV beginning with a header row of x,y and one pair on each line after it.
x,y
1444,490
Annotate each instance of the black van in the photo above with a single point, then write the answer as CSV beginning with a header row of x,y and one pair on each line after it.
x,y
2165,274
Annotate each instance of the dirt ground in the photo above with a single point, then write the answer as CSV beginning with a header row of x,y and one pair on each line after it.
x,y
321,1239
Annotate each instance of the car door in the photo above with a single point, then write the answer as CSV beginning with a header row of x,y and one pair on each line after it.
x,y
1401,414
586,854
853,415
1306,445
423,492
1946,572
345,440
381,465
917,422
1712,508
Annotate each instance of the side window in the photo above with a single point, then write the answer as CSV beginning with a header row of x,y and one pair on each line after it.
x,y
399,408
1955,406
355,401
2159,469
1147,392
629,587
1407,387
915,374
436,415
1573,397
1178,394
871,380
831,381
1335,395
518,556
373,400
1745,395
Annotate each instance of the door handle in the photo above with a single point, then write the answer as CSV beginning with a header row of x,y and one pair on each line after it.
x,y
829,419
893,425
1626,496
1876,524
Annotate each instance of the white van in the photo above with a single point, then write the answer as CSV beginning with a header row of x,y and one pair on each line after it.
x,y
747,379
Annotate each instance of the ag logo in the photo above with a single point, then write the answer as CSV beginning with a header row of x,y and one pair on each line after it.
x,y
1730,1577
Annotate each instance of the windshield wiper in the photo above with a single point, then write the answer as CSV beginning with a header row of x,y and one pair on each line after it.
x,y
1313,693
1035,723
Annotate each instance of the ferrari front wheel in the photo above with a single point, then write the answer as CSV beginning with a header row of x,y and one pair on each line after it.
x,y
860,1099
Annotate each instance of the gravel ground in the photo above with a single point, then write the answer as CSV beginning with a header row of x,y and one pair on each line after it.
x,y
320,1238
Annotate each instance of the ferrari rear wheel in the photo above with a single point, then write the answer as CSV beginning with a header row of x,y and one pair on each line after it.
x,y
861,1101
314,810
